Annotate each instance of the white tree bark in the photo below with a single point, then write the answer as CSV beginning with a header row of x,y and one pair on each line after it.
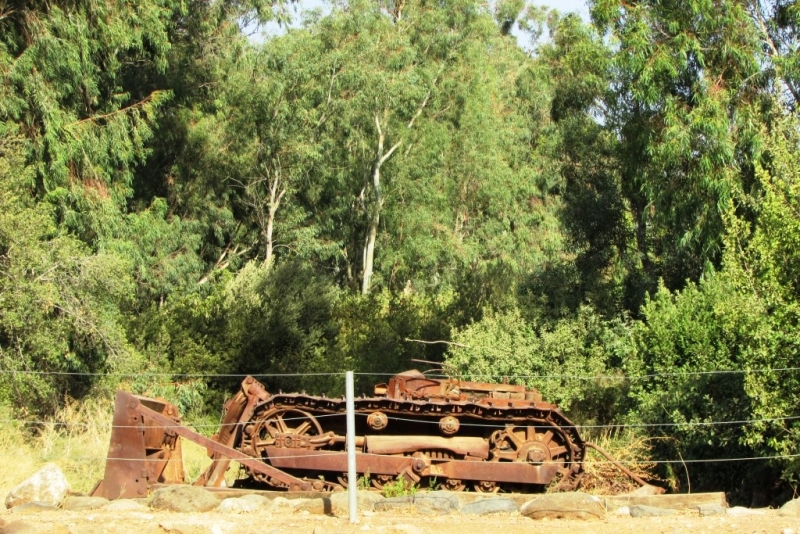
x,y
375,210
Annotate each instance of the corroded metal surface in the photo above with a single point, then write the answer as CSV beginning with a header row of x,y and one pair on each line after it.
x,y
439,431
442,432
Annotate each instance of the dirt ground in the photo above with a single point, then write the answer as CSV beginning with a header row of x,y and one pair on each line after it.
x,y
104,522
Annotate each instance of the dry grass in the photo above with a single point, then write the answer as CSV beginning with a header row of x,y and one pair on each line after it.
x,y
633,451
76,439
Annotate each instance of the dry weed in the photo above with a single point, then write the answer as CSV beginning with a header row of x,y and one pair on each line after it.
x,y
76,439
630,449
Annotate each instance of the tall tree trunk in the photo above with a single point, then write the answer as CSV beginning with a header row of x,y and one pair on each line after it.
x,y
375,212
275,197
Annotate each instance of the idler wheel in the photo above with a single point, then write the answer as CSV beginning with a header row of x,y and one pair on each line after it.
x,y
486,486
449,425
377,420
454,484
379,481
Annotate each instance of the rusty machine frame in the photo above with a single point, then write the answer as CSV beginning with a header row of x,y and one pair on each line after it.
x,y
460,434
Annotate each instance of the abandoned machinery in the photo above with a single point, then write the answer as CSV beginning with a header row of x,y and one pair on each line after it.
x,y
442,432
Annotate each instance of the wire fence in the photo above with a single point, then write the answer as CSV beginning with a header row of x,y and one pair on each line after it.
x,y
474,376
419,421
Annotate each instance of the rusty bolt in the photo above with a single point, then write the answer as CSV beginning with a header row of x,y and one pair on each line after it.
x,y
419,465
377,420
449,425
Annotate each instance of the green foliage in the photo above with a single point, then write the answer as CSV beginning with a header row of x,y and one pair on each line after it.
x,y
60,302
399,488
565,361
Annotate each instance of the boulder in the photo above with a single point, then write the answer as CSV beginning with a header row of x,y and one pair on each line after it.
x,y
262,501
79,504
125,505
47,485
195,526
711,509
640,510
319,506
646,491
738,511
435,504
395,503
282,504
34,506
365,500
238,505
790,509
574,505
183,499
490,506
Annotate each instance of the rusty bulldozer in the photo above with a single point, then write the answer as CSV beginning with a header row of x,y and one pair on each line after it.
x,y
457,434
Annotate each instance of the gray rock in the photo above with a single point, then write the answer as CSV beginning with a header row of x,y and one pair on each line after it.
x,y
574,505
490,506
79,504
18,527
790,509
640,510
238,506
48,485
315,506
425,503
711,509
183,499
35,506
395,503
435,504
646,490
125,505
365,500
738,511
282,504
262,501
189,525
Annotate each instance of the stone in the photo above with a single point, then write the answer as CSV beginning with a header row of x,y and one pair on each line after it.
x,y
790,509
395,503
640,510
183,499
238,506
787,531
282,504
197,526
125,505
435,504
575,505
261,500
79,504
646,490
320,506
34,506
707,510
490,506
365,500
623,510
738,511
19,527
47,485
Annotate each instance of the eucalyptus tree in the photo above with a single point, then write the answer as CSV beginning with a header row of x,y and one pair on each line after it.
x,y
421,161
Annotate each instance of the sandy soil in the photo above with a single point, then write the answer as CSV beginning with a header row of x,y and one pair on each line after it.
x,y
100,522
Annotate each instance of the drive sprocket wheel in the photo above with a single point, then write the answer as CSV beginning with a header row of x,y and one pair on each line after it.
x,y
282,422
